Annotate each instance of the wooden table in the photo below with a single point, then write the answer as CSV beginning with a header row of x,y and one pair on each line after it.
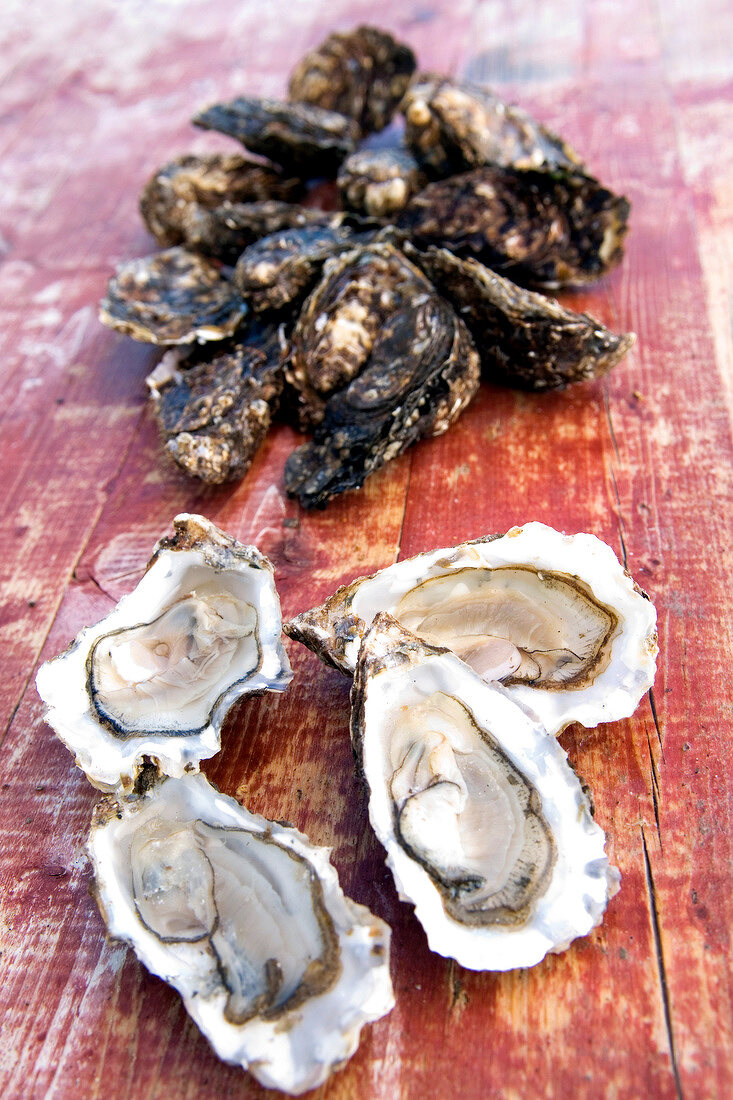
x,y
94,96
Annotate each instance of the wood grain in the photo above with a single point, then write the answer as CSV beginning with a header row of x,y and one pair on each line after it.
x,y
92,98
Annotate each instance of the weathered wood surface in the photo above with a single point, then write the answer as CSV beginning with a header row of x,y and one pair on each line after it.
x,y
92,97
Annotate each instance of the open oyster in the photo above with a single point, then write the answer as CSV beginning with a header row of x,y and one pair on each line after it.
x,y
172,297
246,919
555,617
486,827
156,677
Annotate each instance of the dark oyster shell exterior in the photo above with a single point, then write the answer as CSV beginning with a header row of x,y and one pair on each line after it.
x,y
226,231
379,182
173,297
543,228
422,372
192,183
276,270
452,127
306,140
216,410
525,339
362,73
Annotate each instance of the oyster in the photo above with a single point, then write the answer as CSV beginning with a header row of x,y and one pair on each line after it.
x,y
305,140
405,363
361,73
526,339
545,228
215,413
487,830
156,677
379,181
555,617
226,231
173,297
190,184
453,127
247,921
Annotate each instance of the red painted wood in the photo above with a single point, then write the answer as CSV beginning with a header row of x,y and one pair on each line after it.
x,y
92,98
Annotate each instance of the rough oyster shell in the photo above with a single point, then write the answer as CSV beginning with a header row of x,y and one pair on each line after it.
x,y
592,666
156,677
226,231
487,830
246,919
379,182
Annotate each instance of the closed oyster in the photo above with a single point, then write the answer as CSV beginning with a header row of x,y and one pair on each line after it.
x,y
227,230
172,297
453,127
305,140
379,181
487,830
361,73
525,339
544,228
155,678
191,183
247,921
215,412
555,617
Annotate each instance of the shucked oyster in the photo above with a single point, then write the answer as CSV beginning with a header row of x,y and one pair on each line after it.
x,y
361,73
544,228
525,339
379,181
215,412
156,677
555,617
305,140
246,919
191,184
173,297
453,127
486,827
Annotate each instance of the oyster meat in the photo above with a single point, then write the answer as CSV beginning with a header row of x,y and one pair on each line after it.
x,y
555,617
452,127
156,677
247,921
379,182
544,228
487,830
305,140
362,73
526,339
190,184
215,412
172,297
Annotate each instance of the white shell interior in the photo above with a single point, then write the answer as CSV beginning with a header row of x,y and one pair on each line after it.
x,y
298,1050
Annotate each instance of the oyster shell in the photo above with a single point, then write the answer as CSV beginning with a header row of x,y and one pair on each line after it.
x,y
190,184
526,339
247,921
487,830
379,182
156,677
544,228
361,73
215,412
305,140
226,231
453,127
555,617
172,297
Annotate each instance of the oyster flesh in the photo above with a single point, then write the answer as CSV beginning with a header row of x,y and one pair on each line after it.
x,y
172,297
453,127
246,919
487,830
556,618
156,677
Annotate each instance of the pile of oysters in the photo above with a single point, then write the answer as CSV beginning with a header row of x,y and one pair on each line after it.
x,y
369,326
466,664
